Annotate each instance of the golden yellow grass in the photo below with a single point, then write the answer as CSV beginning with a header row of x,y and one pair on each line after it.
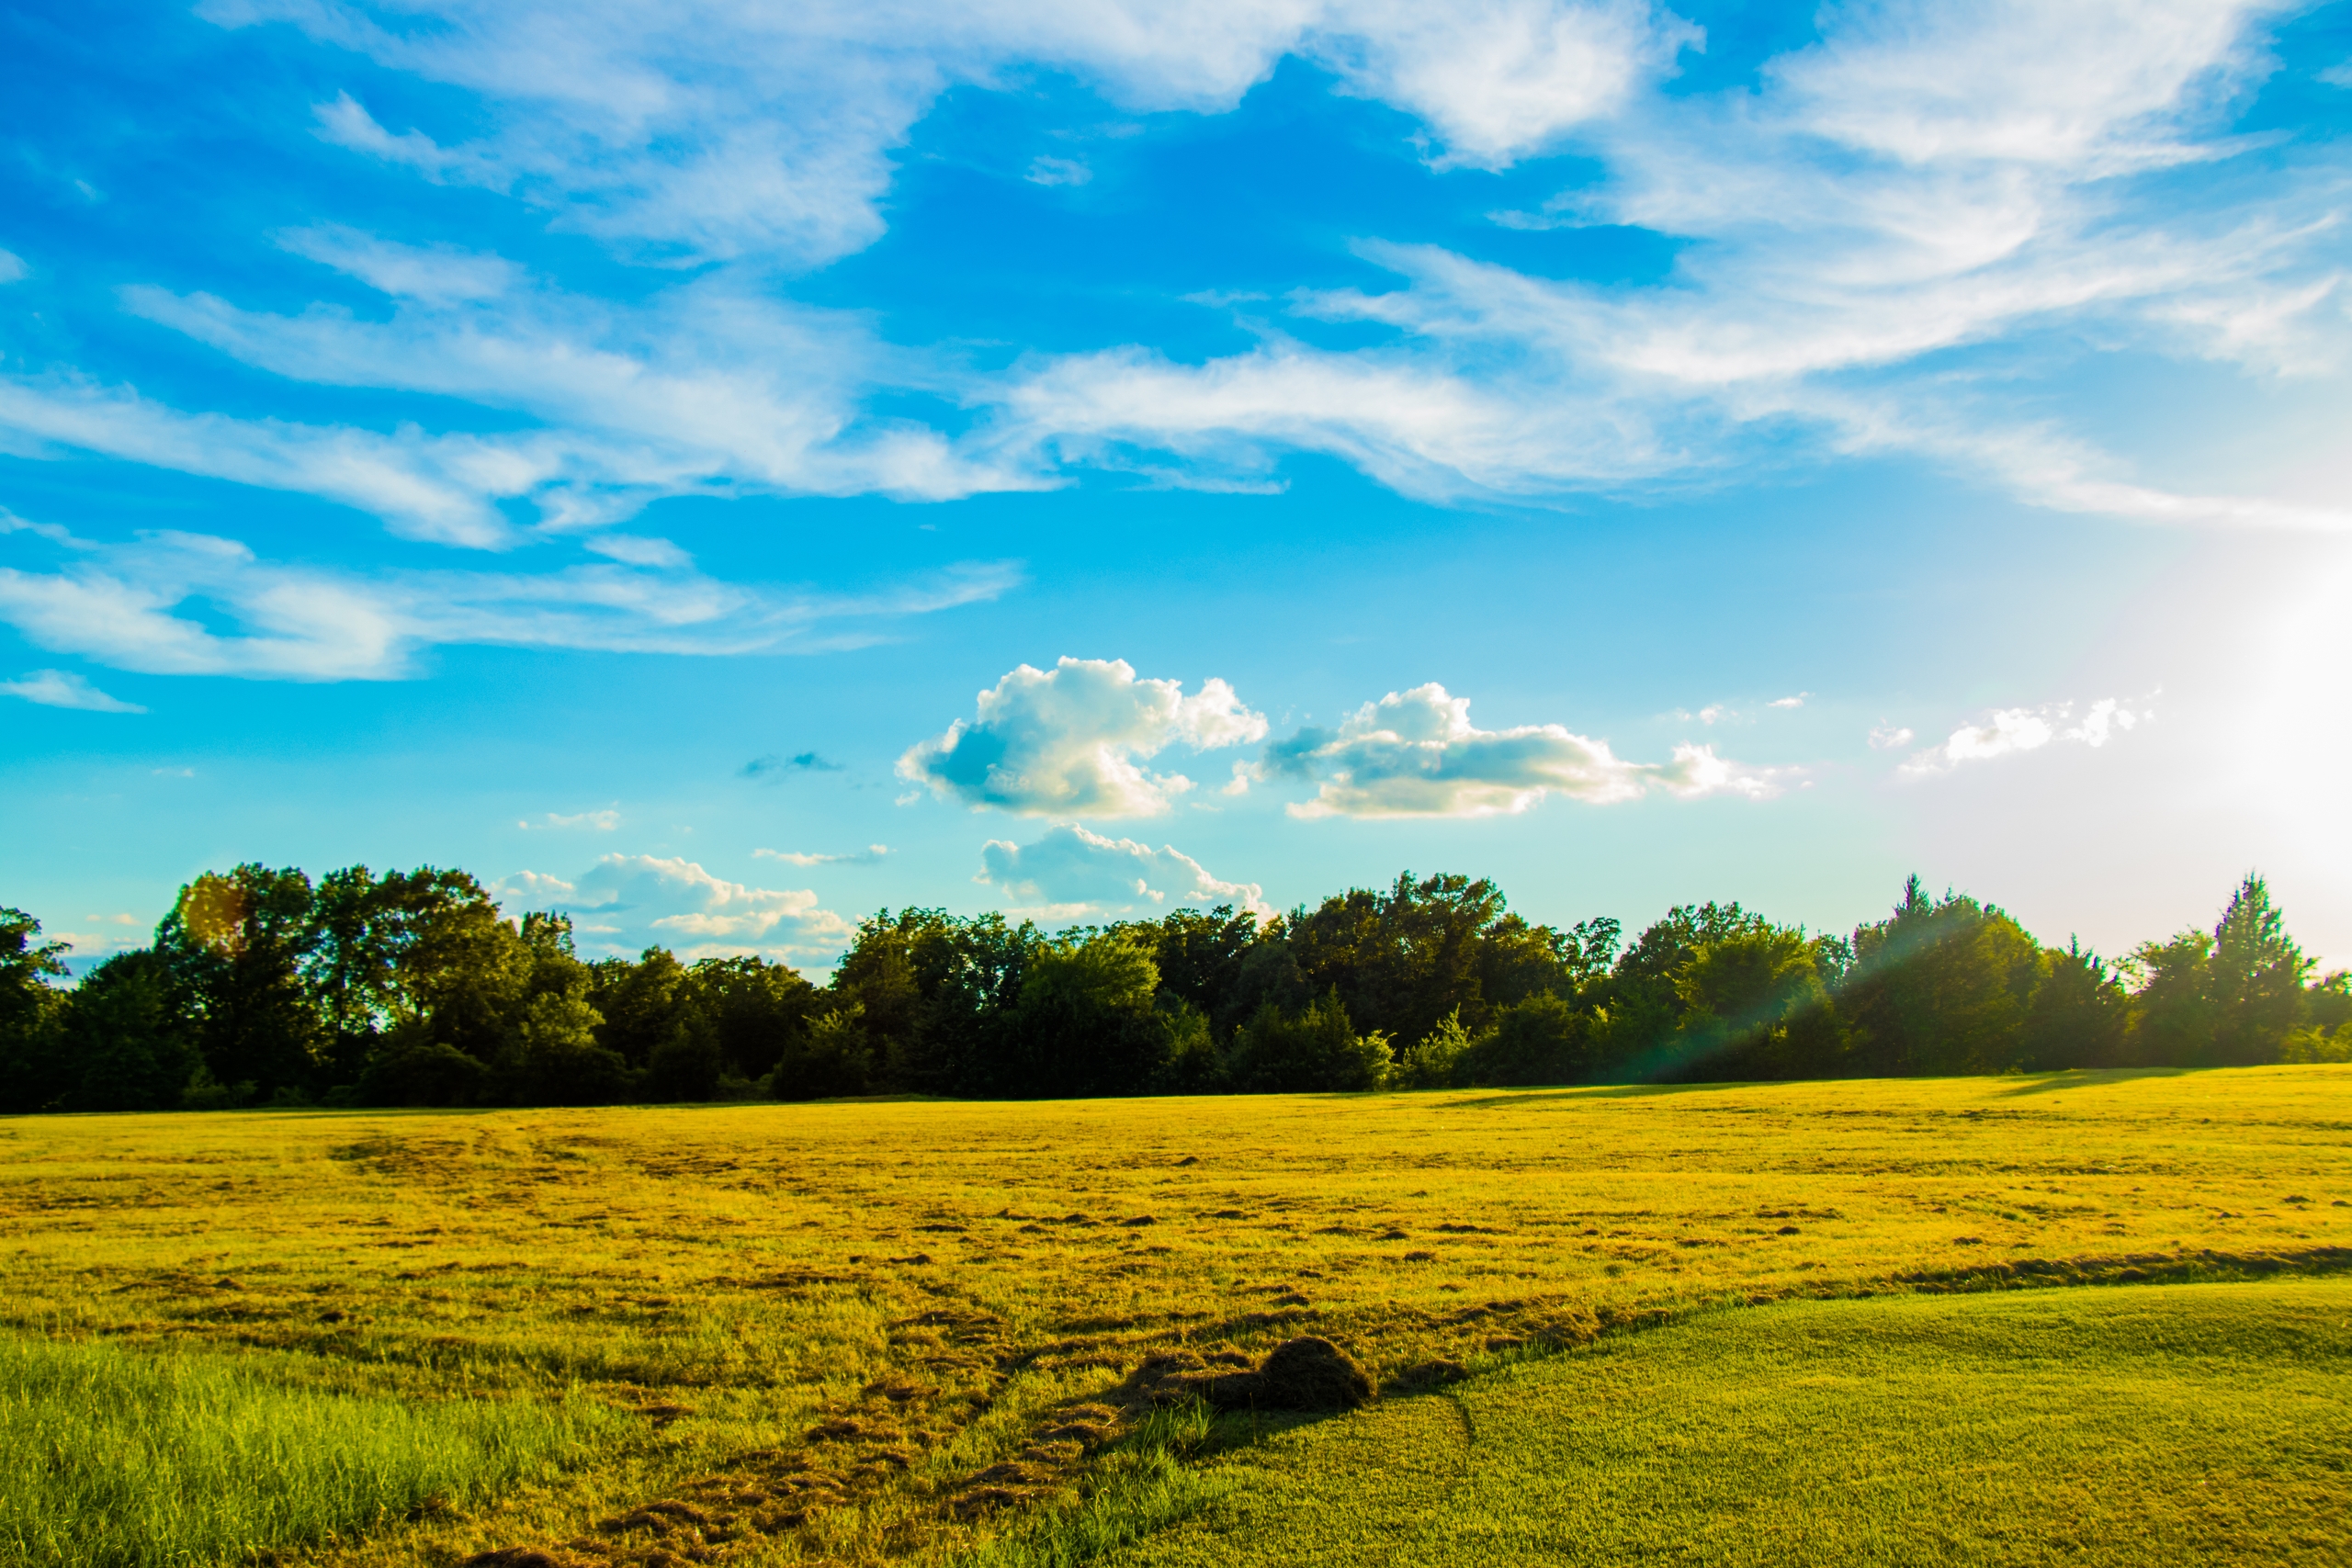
x,y
853,1329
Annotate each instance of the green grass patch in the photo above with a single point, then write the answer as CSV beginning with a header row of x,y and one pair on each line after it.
x,y
119,1459
1141,1486
2189,1423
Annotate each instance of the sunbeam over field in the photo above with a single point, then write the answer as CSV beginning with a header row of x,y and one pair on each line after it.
x,y
860,1331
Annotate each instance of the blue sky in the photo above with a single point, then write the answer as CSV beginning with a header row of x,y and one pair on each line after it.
x,y
722,470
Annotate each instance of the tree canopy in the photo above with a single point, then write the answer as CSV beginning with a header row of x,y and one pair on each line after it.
x,y
264,987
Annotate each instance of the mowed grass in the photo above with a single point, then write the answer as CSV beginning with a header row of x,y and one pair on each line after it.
x,y
2157,1424
125,1461
868,1331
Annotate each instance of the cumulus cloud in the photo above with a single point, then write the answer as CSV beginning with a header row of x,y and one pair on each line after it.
x,y
1887,737
177,603
641,900
1417,754
1794,701
2008,731
1070,873
1071,741
63,689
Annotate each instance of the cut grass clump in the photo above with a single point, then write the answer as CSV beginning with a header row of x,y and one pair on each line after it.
x,y
115,1459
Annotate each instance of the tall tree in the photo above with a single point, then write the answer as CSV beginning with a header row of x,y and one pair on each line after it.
x,y
2257,976
32,1071
1940,985
125,1048
237,946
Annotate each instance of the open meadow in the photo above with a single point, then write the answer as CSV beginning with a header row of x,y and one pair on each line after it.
x,y
870,1330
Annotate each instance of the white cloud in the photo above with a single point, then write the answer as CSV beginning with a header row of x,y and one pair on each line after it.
x,y
435,487
642,901
1417,754
716,130
436,274
63,689
1926,180
2008,731
713,386
533,890
1044,171
133,606
1796,702
1500,79
604,821
1072,875
1887,737
869,855
12,268
1069,741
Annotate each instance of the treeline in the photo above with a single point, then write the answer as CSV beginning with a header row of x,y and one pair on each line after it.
x,y
263,987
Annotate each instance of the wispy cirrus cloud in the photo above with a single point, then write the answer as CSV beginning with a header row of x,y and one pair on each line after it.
x,y
714,387
1916,183
604,820
63,689
1913,186
870,855
179,604
715,131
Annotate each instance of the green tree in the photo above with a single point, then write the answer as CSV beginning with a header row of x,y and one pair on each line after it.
x,y
1434,1061
125,1048
2230,997
938,993
833,1056
1316,1048
2080,1015
754,1010
1756,1005
33,1071
1638,1009
2257,976
1086,1022
236,946
1202,960
1542,1039
1940,987
1403,960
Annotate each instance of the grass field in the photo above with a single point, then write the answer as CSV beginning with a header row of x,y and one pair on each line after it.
x,y
2162,1425
111,1456
860,1331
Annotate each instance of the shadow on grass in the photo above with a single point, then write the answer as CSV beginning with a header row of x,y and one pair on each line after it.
x,y
1480,1100
2088,1077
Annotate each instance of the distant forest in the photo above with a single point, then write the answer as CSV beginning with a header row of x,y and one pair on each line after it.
x,y
263,987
